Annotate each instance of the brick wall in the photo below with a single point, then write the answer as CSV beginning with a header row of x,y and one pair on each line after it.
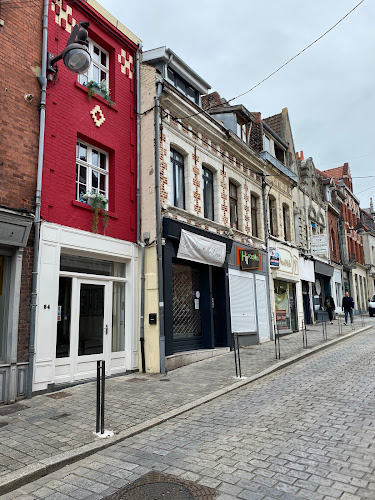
x,y
333,237
68,118
21,45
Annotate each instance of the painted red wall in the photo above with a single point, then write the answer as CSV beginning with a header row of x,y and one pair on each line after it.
x,y
68,118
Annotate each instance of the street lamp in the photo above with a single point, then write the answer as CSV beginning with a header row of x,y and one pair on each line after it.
x,y
76,55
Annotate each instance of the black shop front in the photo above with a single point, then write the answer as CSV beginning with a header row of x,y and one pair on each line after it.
x,y
196,289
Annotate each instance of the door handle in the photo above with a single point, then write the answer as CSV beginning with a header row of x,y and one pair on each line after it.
x,y
106,329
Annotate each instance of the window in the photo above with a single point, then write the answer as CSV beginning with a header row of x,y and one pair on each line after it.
x,y
279,154
177,166
273,217
254,215
286,222
266,144
233,211
183,86
208,193
99,67
91,171
242,129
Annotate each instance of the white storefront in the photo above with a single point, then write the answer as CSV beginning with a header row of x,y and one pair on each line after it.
x,y
87,304
286,291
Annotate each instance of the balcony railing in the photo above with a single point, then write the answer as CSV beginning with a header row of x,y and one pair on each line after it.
x,y
280,166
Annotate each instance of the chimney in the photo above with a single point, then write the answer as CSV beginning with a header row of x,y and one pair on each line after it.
x,y
299,156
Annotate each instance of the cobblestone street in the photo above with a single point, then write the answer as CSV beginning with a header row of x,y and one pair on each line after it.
x,y
304,432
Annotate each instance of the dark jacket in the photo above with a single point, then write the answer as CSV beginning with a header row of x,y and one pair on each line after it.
x,y
330,303
348,303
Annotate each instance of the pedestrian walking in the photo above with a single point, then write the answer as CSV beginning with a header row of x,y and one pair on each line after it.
x,y
348,306
330,305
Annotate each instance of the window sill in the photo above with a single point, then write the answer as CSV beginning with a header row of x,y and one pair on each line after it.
x,y
95,96
80,204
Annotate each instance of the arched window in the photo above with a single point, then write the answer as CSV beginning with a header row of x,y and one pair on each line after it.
x,y
233,205
254,215
208,193
178,179
286,222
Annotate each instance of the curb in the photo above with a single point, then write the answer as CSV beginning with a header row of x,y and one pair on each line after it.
x,y
30,473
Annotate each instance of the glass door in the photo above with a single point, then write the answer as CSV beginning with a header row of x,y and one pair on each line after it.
x,y
93,326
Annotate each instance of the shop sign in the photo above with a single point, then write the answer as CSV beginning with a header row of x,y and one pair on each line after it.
x,y
249,259
281,319
200,249
274,257
319,244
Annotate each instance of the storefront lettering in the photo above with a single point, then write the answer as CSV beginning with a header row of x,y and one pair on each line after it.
x,y
249,259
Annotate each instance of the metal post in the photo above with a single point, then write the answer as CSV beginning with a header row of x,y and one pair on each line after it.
x,y
97,395
306,335
275,341
239,357
102,399
235,352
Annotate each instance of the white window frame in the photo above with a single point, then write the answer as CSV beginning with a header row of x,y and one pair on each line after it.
x,y
88,76
91,168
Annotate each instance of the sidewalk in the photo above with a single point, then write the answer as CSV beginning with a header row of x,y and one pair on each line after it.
x,y
49,431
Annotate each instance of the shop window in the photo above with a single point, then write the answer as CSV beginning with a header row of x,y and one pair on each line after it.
x,y
85,265
99,67
272,216
233,205
4,296
208,193
91,171
286,222
64,318
254,215
118,317
178,179
285,305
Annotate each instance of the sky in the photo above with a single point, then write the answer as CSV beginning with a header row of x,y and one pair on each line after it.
x,y
329,89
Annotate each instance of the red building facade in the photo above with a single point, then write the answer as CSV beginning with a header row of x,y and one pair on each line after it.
x,y
88,267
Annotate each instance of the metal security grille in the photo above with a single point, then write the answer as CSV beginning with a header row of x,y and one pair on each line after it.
x,y
186,318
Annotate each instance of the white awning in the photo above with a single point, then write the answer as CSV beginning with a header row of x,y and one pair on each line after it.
x,y
200,249
306,270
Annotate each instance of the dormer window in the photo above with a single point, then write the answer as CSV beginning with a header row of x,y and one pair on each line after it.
x,y
183,86
242,129
279,153
266,144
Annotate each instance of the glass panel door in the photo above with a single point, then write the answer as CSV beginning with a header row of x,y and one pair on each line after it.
x,y
91,319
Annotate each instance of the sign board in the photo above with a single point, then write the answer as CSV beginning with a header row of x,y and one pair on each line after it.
x,y
200,249
281,319
249,259
274,257
319,244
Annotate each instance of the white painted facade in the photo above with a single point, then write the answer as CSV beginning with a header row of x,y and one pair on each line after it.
x,y
57,241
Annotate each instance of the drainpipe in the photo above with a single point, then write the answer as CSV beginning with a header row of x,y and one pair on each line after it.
x,y
266,237
42,120
139,242
306,224
159,247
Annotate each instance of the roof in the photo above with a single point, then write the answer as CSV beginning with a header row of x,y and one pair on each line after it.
x,y
274,122
337,173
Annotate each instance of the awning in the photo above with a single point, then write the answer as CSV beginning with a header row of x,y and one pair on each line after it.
x,y
323,268
306,270
200,249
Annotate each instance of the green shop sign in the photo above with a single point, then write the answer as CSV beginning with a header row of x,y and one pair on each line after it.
x,y
249,259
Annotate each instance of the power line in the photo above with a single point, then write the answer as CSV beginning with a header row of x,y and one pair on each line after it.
x,y
372,187
282,66
299,53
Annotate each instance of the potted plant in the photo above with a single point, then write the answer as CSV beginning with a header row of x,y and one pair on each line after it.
x,y
98,203
100,89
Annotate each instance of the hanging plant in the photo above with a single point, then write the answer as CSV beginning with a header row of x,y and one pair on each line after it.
x,y
100,89
98,203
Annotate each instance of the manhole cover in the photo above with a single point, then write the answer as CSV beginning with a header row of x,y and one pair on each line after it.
x,y
14,408
58,395
158,486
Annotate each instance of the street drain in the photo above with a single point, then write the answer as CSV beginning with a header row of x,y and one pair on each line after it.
x,y
58,395
136,380
158,486
164,380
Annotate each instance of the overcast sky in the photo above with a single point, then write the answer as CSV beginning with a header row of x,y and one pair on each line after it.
x,y
329,90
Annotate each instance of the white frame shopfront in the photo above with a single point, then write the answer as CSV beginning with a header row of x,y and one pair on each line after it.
x,y
59,240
